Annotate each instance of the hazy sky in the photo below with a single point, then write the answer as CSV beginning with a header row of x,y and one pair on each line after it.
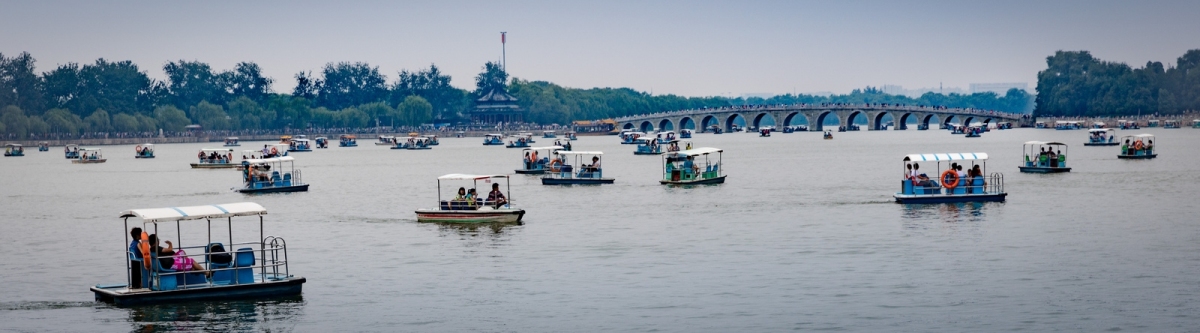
x,y
682,47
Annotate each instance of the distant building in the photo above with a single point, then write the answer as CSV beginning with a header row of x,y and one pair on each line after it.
x,y
497,106
998,88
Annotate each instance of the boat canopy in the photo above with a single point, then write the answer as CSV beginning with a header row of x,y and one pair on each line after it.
x,y
217,149
89,149
1102,130
544,148
386,136
460,176
699,151
1045,143
946,157
581,153
271,160
496,135
1142,136
196,212
231,138
547,131
301,140
13,145
349,136
72,145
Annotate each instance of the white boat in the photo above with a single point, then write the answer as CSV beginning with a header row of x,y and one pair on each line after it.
x,y
385,140
535,164
215,158
1044,157
1137,147
89,156
1102,137
474,209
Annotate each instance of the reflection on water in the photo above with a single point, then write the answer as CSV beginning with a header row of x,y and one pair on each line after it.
x,y
950,213
262,315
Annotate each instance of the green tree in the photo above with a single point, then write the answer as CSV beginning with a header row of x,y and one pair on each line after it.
x,y
247,80
209,116
492,78
63,121
146,123
434,87
377,110
190,82
114,86
14,120
37,125
123,122
415,111
347,84
19,85
171,118
352,117
99,121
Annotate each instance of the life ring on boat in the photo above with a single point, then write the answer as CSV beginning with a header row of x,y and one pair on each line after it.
x,y
138,148
274,151
949,174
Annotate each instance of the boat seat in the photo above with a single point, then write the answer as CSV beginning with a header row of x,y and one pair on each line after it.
x,y
275,177
145,276
906,187
167,282
287,179
244,258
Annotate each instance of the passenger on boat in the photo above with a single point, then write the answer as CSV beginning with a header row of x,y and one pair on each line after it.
x,y
471,197
496,197
135,268
916,172
568,145
217,254
973,175
462,194
533,159
528,162
962,175
689,166
595,166
167,257
908,171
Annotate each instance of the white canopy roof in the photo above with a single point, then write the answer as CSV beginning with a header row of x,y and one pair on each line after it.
x,y
547,131
1102,130
1143,135
217,149
581,153
90,149
699,151
460,176
494,134
196,212
946,157
147,145
271,160
13,145
1045,143
543,148
305,140
231,138
385,136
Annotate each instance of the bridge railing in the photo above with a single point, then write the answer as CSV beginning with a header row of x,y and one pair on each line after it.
x,y
792,107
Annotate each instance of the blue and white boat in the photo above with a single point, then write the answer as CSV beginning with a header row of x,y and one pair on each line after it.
x,y
958,129
715,129
473,209
1004,126
1102,137
43,146
977,186
922,127
432,139
648,146
565,144
1195,123
232,142
414,143
385,140
493,140
1044,157
1137,147
348,140
528,137
1065,125
788,129
1099,124
665,137
548,135
519,141
71,151
256,269
299,145
974,132
1040,125
568,174
215,158
13,150
89,156
322,142
685,168
631,138
685,134
1171,123
145,150
571,136
1152,123
538,160
268,175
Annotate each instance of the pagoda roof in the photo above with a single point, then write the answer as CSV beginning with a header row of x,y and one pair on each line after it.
x,y
497,96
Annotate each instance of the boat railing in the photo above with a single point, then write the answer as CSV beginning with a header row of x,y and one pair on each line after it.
x,y
994,183
266,257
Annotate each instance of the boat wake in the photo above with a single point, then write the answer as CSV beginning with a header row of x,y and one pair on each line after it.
x,y
43,305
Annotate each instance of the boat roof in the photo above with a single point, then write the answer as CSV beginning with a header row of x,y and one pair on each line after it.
x,y
251,151
271,160
285,136
147,145
216,149
1143,135
301,140
543,148
1045,143
72,145
196,212
946,157
494,134
581,152
349,136
461,176
699,151
386,136
1102,130
232,137
321,137
13,145
547,131
89,149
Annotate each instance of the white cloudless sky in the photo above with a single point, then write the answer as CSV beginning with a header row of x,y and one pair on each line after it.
x,y
693,48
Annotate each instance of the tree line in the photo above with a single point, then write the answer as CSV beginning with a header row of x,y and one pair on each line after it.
x,y
1077,84
119,96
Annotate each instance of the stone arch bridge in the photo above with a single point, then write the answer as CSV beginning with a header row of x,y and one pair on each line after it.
x,y
814,116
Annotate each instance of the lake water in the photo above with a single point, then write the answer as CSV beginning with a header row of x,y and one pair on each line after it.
x,y
803,235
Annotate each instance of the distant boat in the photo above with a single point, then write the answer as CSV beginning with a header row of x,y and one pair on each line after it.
x,y
1137,147
472,209
592,174
1038,160
264,176
684,168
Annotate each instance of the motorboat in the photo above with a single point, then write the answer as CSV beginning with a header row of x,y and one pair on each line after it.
x,y
684,167
348,140
473,209
232,142
977,186
13,150
215,158
1137,147
89,156
267,175
585,175
1044,157
538,160
1102,137
322,142
493,140
145,150
255,270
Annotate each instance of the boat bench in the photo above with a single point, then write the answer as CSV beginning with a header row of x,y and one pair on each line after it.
x,y
463,205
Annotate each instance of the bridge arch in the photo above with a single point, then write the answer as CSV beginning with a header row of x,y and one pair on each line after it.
x,y
687,123
928,117
758,120
877,123
949,119
850,118
790,118
902,120
967,122
708,121
820,121
628,126
666,125
732,120
646,126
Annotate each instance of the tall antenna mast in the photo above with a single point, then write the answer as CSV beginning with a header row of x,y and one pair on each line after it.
x,y
503,57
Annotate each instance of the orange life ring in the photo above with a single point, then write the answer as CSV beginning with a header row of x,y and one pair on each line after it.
x,y
138,148
950,173
274,151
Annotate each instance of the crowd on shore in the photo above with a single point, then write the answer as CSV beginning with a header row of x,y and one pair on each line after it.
x,y
780,107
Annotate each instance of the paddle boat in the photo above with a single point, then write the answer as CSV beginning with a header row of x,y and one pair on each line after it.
x,y
1040,124
1137,147
537,160
322,142
631,138
1102,137
71,151
232,142
473,209
1098,124
145,150
683,167
1171,123
13,150
853,127
548,135
418,143
460,134
571,136
433,139
1044,157
299,145
922,127
1127,125
1152,123
566,144
275,150
841,129
348,140
43,146
715,129
1004,126
974,132
788,129
256,269
828,135
215,158
263,176
958,129
493,140
976,187
764,133
518,142
386,140
1195,123
528,137
590,174
665,137
89,156
1063,125
685,134
648,146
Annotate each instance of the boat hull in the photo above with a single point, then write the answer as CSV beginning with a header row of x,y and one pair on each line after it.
x,y
419,148
382,144
526,146
470,216
119,296
89,161
151,156
576,181
275,189
215,165
948,198
645,153
530,172
298,150
1137,157
233,145
1101,143
340,145
493,144
13,155
718,180
1043,169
